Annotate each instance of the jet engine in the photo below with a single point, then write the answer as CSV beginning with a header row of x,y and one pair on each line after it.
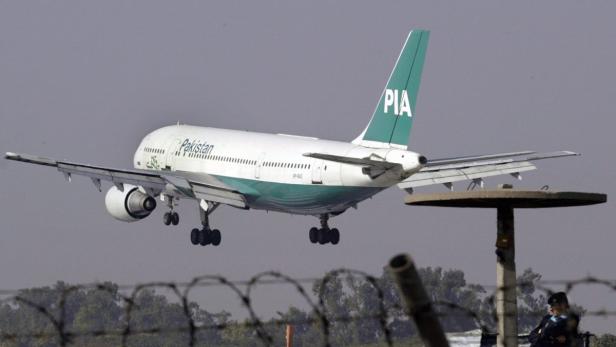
x,y
129,205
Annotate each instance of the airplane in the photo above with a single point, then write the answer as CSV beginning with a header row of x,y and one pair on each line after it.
x,y
287,173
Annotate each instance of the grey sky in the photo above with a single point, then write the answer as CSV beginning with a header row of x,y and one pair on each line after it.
x,y
86,80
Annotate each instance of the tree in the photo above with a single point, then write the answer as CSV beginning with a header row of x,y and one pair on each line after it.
x,y
239,334
152,312
100,310
91,314
336,307
305,325
31,311
606,340
450,286
531,306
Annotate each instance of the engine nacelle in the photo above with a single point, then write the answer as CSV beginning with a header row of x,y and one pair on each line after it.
x,y
130,205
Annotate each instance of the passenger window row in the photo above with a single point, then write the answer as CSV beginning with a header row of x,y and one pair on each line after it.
x,y
286,165
247,161
154,150
222,158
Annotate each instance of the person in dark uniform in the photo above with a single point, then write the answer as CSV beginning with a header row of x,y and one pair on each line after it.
x,y
573,324
554,329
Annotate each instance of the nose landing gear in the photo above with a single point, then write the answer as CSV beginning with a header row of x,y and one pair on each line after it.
x,y
170,217
324,234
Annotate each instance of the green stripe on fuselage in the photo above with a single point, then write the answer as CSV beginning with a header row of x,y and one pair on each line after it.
x,y
307,199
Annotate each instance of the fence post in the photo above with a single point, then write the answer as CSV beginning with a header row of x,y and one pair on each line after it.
x,y
417,302
289,335
586,338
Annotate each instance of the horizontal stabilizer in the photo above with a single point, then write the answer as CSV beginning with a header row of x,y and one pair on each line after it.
x,y
493,159
354,161
470,173
465,159
449,170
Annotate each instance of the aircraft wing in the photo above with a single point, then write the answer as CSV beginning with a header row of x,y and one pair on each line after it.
x,y
176,183
448,170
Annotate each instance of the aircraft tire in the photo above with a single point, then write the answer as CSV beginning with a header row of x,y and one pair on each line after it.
x,y
204,237
194,236
175,218
323,236
167,218
334,236
313,235
215,237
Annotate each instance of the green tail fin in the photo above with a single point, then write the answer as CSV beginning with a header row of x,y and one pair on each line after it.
x,y
393,118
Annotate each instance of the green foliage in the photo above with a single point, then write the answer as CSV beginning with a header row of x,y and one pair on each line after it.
x,y
450,286
531,307
410,342
606,340
98,310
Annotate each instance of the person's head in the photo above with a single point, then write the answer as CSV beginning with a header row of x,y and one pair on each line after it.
x,y
559,303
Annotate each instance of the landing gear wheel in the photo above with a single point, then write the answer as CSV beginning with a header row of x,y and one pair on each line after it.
x,y
334,236
194,236
323,236
313,234
175,218
215,237
204,237
167,219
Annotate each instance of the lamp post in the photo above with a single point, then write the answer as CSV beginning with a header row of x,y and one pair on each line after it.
x,y
505,200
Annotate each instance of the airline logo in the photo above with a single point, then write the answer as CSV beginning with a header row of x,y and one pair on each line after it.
x,y
397,102
153,163
196,147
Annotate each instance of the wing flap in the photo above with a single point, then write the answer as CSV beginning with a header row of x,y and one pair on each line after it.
x,y
208,193
147,180
207,187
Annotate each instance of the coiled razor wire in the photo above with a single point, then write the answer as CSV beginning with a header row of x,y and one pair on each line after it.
x,y
320,316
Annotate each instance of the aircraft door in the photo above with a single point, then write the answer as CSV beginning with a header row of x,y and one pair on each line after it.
x,y
172,154
260,161
317,171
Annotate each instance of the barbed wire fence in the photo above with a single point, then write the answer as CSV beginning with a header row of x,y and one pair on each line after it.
x,y
55,313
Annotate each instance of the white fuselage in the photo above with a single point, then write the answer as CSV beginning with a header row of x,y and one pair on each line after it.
x,y
272,169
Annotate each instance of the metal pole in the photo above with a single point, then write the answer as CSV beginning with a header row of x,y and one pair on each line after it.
x,y
586,337
289,335
417,301
506,300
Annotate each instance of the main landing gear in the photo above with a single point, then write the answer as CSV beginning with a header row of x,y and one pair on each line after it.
x,y
324,234
206,236
170,217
